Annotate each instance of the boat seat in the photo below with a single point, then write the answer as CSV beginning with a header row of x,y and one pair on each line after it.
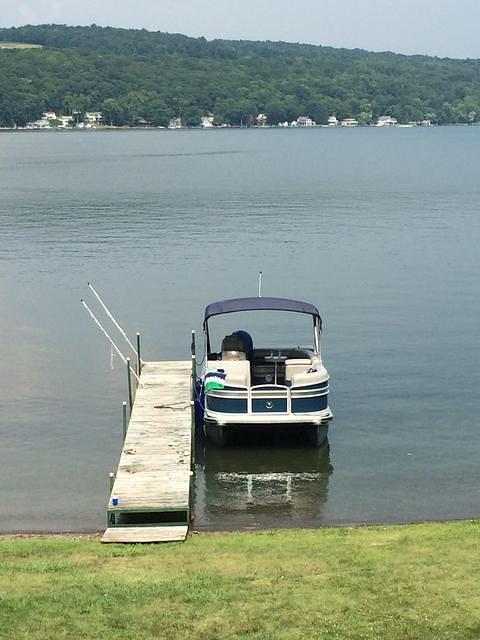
x,y
304,379
299,361
296,366
232,343
238,371
299,354
233,355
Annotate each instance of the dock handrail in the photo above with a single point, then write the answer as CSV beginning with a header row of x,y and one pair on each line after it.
x,y
104,331
122,332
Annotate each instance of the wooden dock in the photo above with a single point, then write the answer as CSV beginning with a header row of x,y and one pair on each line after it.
x,y
153,479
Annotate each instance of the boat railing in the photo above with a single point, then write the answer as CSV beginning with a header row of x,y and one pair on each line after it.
x,y
269,392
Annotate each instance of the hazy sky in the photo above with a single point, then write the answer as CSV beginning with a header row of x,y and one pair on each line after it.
x,y
435,27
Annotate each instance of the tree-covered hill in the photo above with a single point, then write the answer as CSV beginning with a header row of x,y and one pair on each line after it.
x,y
136,74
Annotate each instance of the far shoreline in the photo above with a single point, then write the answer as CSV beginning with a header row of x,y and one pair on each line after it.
x,y
233,127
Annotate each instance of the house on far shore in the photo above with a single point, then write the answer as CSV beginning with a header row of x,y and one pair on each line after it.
x,y
175,123
305,121
65,122
141,122
43,123
349,122
332,121
386,121
93,118
261,120
38,124
207,121
48,119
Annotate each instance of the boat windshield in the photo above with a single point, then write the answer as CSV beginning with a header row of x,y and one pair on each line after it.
x,y
275,329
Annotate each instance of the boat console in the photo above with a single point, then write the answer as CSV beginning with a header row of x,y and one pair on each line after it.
x,y
265,365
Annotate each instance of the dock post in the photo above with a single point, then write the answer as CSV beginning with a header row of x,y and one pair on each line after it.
x,y
193,392
191,493
129,380
139,359
192,437
193,343
192,409
192,456
124,420
192,399
194,366
111,476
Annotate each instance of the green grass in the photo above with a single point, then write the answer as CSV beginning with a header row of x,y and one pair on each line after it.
x,y
398,582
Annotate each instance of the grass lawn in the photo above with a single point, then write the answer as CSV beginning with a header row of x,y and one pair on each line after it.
x,y
395,582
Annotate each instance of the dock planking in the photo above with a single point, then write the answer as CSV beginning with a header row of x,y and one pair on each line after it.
x,y
152,482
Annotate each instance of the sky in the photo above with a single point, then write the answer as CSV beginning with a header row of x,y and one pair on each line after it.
x,y
445,28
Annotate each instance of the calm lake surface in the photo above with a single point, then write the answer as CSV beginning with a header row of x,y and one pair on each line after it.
x,y
379,228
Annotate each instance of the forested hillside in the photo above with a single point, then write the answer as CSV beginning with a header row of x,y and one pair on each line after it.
x,y
136,74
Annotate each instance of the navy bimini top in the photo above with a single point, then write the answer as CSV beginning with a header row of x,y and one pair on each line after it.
x,y
260,304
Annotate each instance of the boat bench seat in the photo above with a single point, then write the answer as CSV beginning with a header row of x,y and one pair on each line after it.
x,y
296,367
305,379
238,371
298,362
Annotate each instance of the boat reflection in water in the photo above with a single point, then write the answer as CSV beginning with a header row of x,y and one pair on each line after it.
x,y
260,484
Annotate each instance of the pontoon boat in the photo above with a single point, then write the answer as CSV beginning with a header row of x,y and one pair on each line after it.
x,y
246,384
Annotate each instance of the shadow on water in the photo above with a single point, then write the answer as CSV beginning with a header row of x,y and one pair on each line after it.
x,y
263,479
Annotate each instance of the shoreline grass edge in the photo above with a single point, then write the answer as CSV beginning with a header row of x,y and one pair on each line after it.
x,y
401,581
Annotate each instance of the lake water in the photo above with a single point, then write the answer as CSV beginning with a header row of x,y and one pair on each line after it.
x,y
379,228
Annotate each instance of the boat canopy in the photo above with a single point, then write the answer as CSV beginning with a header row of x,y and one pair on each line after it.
x,y
261,304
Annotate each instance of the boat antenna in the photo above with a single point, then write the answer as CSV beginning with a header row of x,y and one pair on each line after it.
x,y
259,284
104,306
